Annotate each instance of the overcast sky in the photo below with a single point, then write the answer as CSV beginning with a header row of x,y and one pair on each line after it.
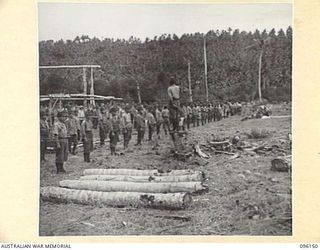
x,y
68,20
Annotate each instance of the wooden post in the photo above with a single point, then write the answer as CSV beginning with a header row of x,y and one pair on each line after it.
x,y
91,87
189,81
259,80
205,68
84,86
50,111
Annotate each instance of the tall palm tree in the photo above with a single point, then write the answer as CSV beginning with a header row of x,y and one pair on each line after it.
x,y
259,44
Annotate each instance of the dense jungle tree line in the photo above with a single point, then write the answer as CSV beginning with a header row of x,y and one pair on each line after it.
x,y
232,61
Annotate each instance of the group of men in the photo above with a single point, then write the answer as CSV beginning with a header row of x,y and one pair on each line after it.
x,y
71,124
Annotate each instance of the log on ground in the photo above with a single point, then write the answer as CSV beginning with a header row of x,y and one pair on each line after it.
x,y
152,178
144,187
136,172
116,199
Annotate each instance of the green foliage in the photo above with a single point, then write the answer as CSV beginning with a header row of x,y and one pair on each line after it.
x,y
232,69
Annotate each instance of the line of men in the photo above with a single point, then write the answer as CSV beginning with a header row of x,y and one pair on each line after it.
x,y
77,124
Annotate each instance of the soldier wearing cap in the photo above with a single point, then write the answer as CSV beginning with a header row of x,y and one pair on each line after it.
x,y
140,125
72,129
174,103
87,136
114,129
44,133
59,131
126,126
103,126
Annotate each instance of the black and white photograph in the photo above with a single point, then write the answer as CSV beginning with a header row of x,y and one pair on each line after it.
x,y
165,119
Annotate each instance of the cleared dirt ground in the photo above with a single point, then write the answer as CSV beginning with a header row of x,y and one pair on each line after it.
x,y
245,197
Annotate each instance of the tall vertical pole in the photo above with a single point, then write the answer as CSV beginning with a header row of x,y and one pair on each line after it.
x,y
138,91
259,80
205,68
91,87
84,86
189,81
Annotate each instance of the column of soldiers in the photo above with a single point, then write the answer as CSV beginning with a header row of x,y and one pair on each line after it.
x,y
114,121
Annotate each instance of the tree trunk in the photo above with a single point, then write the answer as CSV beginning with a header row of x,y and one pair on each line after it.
x,y
170,178
84,78
189,83
136,172
166,201
117,186
259,80
205,69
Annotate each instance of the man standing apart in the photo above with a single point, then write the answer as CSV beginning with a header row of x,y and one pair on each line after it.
x,y
59,131
174,103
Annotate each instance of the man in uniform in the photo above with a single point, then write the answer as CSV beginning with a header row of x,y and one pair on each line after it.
x,y
44,133
159,120
59,131
174,103
114,129
166,121
87,137
126,126
103,126
72,129
140,122
151,121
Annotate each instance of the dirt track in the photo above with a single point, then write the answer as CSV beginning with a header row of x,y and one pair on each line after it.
x,y
245,197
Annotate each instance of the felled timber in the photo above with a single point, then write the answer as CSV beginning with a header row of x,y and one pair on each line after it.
x,y
136,172
281,164
219,143
119,186
117,199
199,176
199,152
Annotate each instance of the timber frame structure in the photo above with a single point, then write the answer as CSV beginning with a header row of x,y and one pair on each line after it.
x,y
85,85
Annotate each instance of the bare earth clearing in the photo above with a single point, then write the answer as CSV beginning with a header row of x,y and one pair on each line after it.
x,y
245,197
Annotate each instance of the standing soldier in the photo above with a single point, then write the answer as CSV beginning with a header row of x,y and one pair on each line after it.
x,y
87,137
159,120
81,115
140,122
44,133
151,121
59,131
199,114
103,126
166,121
185,115
174,103
189,116
126,126
72,129
114,130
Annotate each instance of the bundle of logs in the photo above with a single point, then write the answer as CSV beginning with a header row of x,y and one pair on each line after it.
x,y
130,187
